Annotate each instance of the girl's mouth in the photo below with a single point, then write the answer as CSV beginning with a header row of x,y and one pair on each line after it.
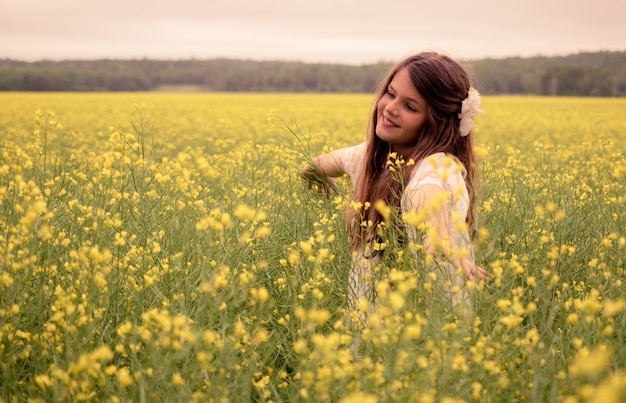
x,y
386,122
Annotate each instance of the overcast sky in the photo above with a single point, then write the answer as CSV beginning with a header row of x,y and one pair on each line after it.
x,y
342,31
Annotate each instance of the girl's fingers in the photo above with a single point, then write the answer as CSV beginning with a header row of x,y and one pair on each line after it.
x,y
481,273
476,271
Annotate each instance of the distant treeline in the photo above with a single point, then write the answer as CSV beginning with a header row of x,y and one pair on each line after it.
x,y
583,74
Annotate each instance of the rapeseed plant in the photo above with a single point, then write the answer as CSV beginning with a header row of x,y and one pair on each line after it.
x,y
181,258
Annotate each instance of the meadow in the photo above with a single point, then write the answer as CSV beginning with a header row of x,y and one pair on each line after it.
x,y
162,247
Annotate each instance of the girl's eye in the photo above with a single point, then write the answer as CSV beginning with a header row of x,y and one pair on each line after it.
x,y
411,108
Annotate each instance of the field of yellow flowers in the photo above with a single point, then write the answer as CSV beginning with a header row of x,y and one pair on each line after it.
x,y
162,247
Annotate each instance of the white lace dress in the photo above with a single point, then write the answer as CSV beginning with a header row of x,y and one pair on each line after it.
x,y
438,169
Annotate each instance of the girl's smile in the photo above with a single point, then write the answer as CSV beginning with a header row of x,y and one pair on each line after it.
x,y
386,122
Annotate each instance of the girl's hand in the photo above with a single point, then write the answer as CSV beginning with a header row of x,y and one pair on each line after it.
x,y
473,271
316,179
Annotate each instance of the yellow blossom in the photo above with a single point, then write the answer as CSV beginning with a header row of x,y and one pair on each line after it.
x,y
359,397
124,377
300,346
177,379
43,381
383,209
511,320
591,362
613,307
261,336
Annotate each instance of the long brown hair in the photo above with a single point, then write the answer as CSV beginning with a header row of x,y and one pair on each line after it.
x,y
444,84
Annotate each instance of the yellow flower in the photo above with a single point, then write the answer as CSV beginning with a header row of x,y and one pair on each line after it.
x,y
319,316
357,206
44,233
589,363
483,234
119,239
43,381
261,336
259,294
503,304
511,320
306,247
300,346
591,303
5,279
244,212
293,258
124,377
263,382
383,209
177,379
262,232
102,353
412,332
396,301
359,397
111,370
414,219
363,305
477,388
613,307
156,247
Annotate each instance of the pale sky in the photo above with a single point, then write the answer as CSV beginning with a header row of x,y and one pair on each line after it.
x,y
338,31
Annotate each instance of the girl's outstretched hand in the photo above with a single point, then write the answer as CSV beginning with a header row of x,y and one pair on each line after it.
x,y
317,180
473,271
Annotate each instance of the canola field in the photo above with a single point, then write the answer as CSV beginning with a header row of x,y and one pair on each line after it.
x,y
162,247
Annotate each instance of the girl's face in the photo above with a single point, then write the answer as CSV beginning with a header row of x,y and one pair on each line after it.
x,y
401,113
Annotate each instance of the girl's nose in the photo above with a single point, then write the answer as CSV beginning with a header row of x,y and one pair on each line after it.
x,y
391,108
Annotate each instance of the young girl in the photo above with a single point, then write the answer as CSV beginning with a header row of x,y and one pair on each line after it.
x,y
417,163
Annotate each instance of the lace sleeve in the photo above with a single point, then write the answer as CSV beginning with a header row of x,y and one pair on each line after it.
x,y
352,159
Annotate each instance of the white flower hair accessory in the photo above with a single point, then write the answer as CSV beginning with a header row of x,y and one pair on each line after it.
x,y
470,107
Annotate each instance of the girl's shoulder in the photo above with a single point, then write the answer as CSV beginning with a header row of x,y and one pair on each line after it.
x,y
441,162
438,168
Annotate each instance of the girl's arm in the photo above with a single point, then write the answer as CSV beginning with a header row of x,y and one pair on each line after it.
x,y
439,238
322,170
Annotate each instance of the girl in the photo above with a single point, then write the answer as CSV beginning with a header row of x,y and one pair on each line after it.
x,y
418,164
